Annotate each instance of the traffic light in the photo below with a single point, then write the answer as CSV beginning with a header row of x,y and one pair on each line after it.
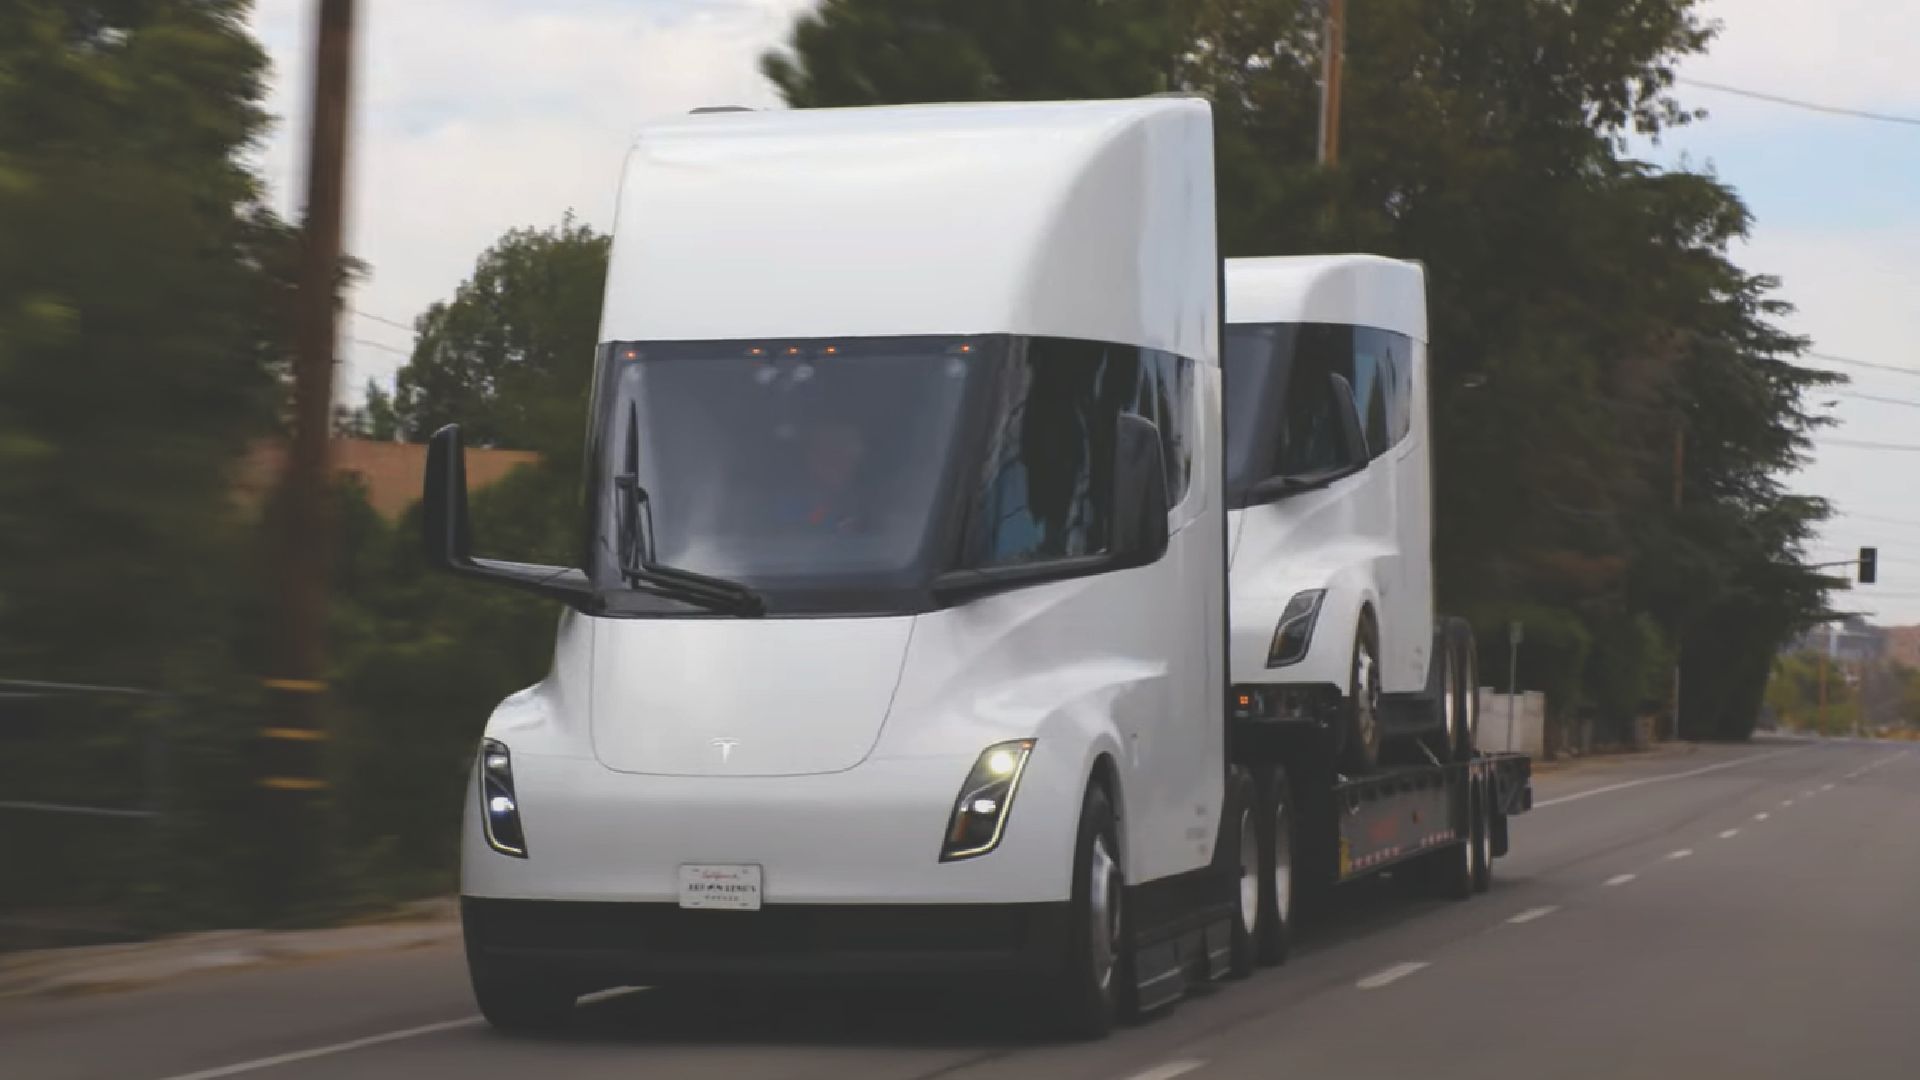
x,y
1869,565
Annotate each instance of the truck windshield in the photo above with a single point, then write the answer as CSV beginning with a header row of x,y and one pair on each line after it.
x,y
1281,413
841,477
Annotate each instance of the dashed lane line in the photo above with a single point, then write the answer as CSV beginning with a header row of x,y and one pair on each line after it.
x,y
1728,834
1621,879
1531,914
1390,975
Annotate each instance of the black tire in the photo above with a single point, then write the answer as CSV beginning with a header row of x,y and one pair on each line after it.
x,y
1360,742
1241,862
1095,985
1443,690
1451,867
1278,891
517,1000
1483,840
1466,684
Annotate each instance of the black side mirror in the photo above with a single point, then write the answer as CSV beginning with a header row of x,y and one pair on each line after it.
x,y
1353,429
445,527
1140,499
447,532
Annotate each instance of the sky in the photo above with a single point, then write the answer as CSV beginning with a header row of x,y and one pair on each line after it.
x,y
476,116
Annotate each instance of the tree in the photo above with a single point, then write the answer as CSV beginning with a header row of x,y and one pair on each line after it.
x,y
138,330
1582,305
510,357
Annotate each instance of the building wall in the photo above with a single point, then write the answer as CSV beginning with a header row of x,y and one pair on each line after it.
x,y
1903,645
393,472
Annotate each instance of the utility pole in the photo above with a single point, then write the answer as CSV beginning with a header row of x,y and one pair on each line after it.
x,y
291,760
1333,44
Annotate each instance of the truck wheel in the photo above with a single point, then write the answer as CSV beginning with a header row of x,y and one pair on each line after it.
x,y
1097,981
1360,750
1466,683
516,1000
1244,872
1275,800
1443,687
1483,838
1452,866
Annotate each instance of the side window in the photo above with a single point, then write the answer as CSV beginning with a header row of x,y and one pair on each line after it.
x,y
1310,431
1373,380
1166,398
1391,355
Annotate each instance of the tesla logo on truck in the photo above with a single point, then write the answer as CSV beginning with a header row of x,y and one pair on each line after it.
x,y
725,746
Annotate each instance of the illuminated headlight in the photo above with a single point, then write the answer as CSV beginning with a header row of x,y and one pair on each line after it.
x,y
980,814
1295,632
499,808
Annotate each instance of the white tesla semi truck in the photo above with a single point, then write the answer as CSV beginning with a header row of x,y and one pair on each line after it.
x,y
898,646
1329,488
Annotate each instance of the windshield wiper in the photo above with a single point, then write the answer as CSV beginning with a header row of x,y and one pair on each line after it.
x,y
639,571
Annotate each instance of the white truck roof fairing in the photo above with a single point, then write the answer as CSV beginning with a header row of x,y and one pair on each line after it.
x,y
1356,290
1089,220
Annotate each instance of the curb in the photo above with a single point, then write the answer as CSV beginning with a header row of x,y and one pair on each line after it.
x,y
99,968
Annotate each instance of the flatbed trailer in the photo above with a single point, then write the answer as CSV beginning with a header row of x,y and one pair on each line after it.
x,y
1449,819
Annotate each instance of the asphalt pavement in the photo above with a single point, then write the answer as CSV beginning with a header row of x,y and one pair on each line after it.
x,y
1748,912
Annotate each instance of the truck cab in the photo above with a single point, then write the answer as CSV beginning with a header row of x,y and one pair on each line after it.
x,y
1329,494
896,648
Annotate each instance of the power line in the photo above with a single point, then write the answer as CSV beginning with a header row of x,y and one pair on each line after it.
x,y
1797,103
1882,519
1861,444
395,323
1908,402
383,348
1849,361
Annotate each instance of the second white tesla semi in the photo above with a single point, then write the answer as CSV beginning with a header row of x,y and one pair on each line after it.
x,y
897,648
1329,484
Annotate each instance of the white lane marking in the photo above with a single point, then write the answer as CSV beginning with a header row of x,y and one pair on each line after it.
x,y
1761,816
1621,879
1393,974
1168,1071
325,1051
1728,834
1531,914
1871,765
1826,787
1786,802
1661,779
1681,854
1808,794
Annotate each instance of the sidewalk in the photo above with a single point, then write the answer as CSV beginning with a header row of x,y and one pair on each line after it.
x,y
1656,752
95,968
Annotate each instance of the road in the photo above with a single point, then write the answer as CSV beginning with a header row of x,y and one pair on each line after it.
x,y
1732,912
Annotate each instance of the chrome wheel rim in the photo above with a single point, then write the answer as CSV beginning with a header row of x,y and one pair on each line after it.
x,y
1282,861
1367,697
1103,902
1249,871
1449,705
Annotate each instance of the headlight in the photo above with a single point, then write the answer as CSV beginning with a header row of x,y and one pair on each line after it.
x,y
499,807
980,814
1295,632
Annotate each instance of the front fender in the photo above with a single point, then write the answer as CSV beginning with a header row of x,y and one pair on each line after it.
x,y
1349,590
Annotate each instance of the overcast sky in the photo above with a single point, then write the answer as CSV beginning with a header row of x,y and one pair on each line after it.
x,y
476,116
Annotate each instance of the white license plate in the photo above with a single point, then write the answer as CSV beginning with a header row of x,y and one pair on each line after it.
x,y
720,888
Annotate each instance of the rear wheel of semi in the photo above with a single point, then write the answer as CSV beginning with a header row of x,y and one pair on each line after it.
x,y
1096,982
1276,881
1452,866
1360,749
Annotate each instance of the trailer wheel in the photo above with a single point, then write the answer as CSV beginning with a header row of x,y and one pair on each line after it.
x,y
1244,871
1360,747
1443,688
1096,984
1482,837
1277,880
1466,689
518,1001
1452,867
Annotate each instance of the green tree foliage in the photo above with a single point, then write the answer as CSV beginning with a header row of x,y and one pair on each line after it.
x,y
1584,312
510,357
139,323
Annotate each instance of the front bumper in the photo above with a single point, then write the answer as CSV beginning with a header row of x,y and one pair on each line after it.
x,y
653,943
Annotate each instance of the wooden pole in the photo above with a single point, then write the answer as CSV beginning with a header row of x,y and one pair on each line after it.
x,y
292,741
1333,48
